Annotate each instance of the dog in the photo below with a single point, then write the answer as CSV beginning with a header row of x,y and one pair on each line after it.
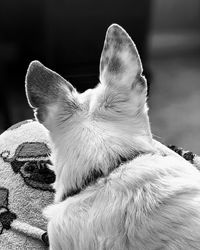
x,y
116,187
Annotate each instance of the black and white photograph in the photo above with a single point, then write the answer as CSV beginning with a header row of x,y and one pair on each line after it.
x,y
100,125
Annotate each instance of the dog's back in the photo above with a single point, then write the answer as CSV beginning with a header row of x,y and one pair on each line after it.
x,y
115,187
153,202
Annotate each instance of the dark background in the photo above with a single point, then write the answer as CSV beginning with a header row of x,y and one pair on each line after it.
x,y
67,36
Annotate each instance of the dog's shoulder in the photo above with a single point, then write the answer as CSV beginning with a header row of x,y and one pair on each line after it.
x,y
156,169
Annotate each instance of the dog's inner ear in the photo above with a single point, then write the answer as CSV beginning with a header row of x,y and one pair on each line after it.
x,y
48,92
120,64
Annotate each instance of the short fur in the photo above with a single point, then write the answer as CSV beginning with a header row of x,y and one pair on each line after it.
x,y
149,203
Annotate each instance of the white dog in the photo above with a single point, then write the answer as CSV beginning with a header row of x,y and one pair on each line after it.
x,y
116,188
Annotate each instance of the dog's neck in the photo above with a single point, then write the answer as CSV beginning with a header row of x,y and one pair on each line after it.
x,y
96,174
90,154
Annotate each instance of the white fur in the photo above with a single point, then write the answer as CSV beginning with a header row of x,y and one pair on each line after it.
x,y
152,202
149,203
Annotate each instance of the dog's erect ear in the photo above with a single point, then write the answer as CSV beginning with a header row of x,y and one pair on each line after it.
x,y
45,89
120,63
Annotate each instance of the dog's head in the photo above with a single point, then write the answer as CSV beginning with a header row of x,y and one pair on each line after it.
x,y
91,129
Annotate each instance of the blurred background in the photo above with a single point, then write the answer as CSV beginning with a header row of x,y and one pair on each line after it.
x,y
67,36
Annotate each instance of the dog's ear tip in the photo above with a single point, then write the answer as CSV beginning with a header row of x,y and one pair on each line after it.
x,y
35,64
114,27
34,67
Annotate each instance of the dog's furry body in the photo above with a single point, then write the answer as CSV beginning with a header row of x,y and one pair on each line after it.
x,y
149,203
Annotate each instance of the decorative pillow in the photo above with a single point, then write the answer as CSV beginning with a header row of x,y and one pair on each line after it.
x,y
25,186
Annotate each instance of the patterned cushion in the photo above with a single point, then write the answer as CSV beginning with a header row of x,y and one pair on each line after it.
x,y
26,181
